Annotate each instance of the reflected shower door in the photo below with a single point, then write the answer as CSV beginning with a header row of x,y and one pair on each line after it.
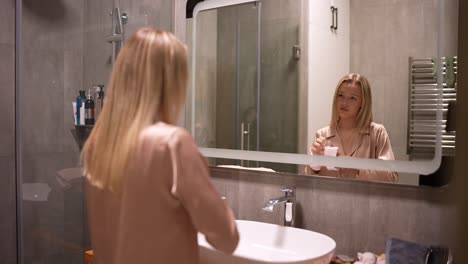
x,y
247,64
280,61
226,84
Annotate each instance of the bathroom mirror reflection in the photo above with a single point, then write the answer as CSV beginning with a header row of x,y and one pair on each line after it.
x,y
266,73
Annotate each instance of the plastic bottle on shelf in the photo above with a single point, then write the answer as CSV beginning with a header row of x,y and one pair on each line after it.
x,y
99,101
80,99
89,109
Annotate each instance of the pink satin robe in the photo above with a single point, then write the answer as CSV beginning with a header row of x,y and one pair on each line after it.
x,y
372,144
167,197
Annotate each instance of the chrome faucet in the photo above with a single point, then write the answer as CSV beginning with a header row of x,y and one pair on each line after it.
x,y
289,200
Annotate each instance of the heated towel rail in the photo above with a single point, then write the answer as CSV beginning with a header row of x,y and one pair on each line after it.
x,y
422,106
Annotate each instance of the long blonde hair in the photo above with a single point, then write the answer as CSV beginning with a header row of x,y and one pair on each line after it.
x,y
147,84
364,117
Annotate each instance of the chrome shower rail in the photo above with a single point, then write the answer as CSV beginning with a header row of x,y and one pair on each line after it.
x,y
117,36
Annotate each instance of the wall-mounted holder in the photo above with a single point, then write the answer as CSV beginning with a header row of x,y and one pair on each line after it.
x,y
296,52
81,133
334,11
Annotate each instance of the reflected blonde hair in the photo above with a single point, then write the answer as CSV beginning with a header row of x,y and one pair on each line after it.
x,y
364,116
147,84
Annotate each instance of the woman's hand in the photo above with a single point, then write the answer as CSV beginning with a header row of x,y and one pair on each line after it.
x,y
318,147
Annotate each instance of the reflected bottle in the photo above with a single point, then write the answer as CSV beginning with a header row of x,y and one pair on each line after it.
x,y
79,104
89,109
99,101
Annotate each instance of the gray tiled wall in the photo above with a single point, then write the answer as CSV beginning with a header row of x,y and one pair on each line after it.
x,y
7,133
97,26
360,216
7,210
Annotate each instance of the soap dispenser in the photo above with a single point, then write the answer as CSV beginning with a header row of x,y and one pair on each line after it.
x,y
99,101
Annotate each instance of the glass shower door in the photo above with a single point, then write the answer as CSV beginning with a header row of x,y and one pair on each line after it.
x,y
64,48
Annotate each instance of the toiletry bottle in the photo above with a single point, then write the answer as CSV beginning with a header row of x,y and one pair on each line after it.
x,y
89,109
79,103
99,101
102,92
94,94
82,108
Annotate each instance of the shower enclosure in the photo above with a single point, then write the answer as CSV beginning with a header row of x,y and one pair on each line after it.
x,y
248,61
63,47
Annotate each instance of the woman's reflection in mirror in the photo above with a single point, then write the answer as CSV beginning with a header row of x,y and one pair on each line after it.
x,y
352,133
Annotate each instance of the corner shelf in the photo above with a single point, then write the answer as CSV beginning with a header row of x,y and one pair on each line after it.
x,y
81,133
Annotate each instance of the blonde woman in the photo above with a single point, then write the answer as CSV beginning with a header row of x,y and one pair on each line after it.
x,y
351,130
149,189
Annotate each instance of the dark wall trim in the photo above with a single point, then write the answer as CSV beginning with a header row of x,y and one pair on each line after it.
x,y
461,166
18,136
190,6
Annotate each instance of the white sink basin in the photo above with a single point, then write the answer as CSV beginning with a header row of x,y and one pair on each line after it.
x,y
267,243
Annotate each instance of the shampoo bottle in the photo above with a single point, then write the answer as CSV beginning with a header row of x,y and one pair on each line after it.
x,y
79,103
89,109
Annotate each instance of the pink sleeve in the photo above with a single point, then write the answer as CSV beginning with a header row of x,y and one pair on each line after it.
x,y
384,148
192,186
384,152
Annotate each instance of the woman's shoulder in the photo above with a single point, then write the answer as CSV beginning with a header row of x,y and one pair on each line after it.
x,y
377,128
165,133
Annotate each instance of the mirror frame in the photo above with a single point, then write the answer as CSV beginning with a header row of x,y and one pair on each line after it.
x,y
423,167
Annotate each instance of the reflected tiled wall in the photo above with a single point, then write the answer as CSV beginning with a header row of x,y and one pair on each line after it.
x,y
383,36
359,216
7,133
205,82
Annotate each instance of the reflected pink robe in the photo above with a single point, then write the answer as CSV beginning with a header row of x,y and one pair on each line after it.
x,y
372,144
167,198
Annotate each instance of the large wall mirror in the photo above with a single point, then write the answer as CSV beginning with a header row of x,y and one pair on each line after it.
x,y
264,74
